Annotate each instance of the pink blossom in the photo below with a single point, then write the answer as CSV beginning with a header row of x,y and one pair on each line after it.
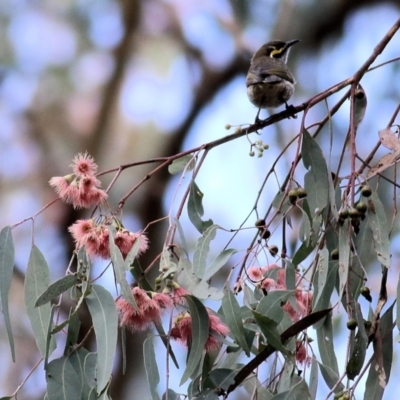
x,y
81,230
255,273
125,241
182,330
61,185
268,284
301,353
83,165
149,310
179,294
163,300
303,305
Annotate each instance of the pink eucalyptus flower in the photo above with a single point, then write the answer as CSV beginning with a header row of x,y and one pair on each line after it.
x,y
182,330
83,165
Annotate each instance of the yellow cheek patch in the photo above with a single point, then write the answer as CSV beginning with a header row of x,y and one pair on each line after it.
x,y
276,52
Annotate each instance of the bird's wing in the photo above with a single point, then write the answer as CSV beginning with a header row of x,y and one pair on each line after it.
x,y
270,75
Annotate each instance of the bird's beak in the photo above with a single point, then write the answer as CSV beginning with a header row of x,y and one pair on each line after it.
x,y
291,43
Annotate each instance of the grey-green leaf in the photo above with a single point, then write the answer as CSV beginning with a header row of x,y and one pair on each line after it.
x,y
120,269
105,322
195,208
232,314
269,329
55,289
171,395
37,280
200,325
62,381
380,229
218,263
199,288
202,250
316,179
181,163
6,272
150,365
344,256
329,366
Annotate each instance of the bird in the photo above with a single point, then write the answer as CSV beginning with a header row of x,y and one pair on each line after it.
x,y
269,81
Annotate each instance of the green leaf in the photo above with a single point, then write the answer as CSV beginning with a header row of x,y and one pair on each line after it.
x,y
105,322
378,376
297,392
358,346
171,395
150,365
344,256
220,378
77,360
329,367
199,288
380,229
290,278
6,272
218,263
73,332
62,380
195,208
181,163
131,256
268,328
316,181
48,336
303,252
120,270
36,282
281,203
232,314
320,280
313,382
202,250
271,305
55,289
305,226
254,388
200,325
89,367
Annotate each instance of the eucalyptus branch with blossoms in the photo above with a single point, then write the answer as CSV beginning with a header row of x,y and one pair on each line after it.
x,y
280,291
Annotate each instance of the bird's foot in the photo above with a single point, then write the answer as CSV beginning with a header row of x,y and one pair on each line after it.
x,y
290,108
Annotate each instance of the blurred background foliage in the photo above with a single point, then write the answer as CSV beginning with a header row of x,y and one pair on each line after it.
x,y
130,80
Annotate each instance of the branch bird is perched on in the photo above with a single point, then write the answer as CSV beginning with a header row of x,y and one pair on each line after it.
x,y
269,81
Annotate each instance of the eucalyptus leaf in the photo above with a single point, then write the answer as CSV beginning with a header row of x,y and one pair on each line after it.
x,y
316,180
202,250
105,322
7,254
233,319
37,280
185,162
269,330
200,325
344,256
218,263
199,288
171,395
120,269
380,229
271,305
150,365
328,366
55,289
62,380
195,208
379,375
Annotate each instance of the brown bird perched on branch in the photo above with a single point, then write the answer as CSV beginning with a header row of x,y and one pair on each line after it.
x,y
269,81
